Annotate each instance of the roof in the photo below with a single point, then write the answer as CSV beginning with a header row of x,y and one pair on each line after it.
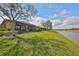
x,y
21,21
1,20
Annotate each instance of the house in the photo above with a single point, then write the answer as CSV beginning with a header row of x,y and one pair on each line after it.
x,y
18,26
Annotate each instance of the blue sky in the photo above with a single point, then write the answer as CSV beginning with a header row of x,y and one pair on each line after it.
x,y
45,10
65,14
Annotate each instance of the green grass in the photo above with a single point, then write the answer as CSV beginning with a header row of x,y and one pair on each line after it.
x,y
45,43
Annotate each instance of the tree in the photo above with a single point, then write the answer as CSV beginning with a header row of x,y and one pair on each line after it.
x,y
15,11
47,24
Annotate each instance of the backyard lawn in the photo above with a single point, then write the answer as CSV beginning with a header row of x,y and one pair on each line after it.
x,y
44,43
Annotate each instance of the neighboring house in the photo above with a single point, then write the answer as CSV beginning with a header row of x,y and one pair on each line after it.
x,y
18,26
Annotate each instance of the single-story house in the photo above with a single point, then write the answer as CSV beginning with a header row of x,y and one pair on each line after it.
x,y
18,26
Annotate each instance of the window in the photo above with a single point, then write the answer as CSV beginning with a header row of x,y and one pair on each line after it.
x,y
17,27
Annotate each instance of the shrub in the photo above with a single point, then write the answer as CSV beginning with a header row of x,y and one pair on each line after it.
x,y
38,29
1,29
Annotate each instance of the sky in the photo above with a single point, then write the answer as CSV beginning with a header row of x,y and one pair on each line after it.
x,y
62,15
50,9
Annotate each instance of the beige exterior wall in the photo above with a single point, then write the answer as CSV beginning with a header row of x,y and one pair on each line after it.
x,y
8,25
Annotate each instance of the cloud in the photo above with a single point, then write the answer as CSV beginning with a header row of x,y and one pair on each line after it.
x,y
1,20
37,20
56,22
63,13
66,26
69,22
72,20
54,16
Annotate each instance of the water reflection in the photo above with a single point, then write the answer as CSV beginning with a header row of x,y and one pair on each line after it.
x,y
71,35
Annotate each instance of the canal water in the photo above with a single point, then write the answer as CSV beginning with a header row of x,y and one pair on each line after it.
x,y
71,35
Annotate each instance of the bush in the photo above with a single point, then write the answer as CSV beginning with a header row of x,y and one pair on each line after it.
x,y
38,29
1,29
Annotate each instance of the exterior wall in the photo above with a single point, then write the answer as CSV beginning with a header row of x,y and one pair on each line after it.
x,y
23,27
20,26
8,25
31,28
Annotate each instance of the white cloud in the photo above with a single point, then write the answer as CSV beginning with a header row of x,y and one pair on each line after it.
x,y
54,16
56,22
1,20
63,13
72,20
69,22
66,26
37,20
